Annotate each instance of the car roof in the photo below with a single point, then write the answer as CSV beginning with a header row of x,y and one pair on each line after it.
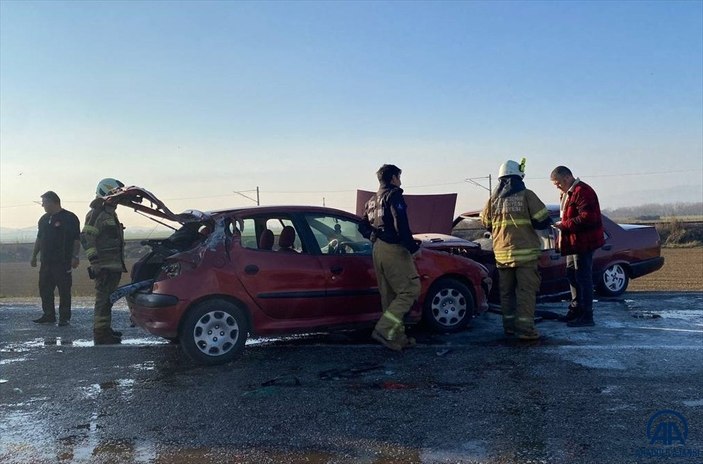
x,y
146,202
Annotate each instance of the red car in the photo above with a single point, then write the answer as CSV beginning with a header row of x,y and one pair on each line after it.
x,y
224,275
630,251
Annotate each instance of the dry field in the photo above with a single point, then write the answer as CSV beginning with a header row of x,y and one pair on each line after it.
x,y
682,271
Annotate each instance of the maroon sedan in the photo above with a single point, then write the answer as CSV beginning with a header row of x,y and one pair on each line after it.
x,y
270,270
630,251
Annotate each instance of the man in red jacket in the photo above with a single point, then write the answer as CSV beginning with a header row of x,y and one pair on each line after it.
x,y
581,233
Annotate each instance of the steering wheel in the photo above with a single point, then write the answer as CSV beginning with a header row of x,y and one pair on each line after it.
x,y
338,247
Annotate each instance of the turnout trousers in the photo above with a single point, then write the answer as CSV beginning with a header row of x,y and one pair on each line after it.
x,y
399,285
106,282
518,297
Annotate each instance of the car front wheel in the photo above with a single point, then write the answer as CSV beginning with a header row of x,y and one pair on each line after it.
x,y
214,332
448,306
613,280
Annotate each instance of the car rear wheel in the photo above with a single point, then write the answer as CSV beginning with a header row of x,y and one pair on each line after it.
x,y
448,306
613,281
214,332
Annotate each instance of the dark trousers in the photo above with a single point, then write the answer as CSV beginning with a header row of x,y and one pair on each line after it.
x,y
51,276
579,271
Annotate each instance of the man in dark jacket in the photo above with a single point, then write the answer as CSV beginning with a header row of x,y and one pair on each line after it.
x,y
57,244
581,233
386,224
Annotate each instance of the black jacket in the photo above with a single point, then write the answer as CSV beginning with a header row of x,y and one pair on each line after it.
x,y
386,218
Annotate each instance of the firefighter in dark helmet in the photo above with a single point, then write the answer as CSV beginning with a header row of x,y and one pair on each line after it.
x,y
103,241
386,224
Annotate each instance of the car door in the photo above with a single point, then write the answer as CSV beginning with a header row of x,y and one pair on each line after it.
x,y
347,263
284,284
552,265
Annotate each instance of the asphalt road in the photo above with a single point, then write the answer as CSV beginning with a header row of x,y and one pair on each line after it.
x,y
578,396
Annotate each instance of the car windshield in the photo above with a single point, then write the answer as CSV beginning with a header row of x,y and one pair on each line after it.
x,y
331,231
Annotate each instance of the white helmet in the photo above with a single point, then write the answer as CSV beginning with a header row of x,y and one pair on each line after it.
x,y
511,168
107,185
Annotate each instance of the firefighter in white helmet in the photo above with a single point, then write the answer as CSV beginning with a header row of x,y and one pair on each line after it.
x,y
512,214
103,240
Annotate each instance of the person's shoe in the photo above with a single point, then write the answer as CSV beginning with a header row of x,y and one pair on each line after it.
x,y
63,323
105,337
116,333
508,332
573,313
390,344
45,320
529,336
585,319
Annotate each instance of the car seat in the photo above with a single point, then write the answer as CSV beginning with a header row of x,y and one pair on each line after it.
x,y
266,240
287,239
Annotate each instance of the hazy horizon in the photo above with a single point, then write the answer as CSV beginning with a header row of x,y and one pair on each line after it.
x,y
197,100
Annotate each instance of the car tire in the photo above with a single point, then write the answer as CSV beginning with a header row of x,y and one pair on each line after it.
x,y
613,281
214,332
448,306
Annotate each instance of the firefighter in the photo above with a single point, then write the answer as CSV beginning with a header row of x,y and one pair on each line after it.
x,y
103,241
512,214
386,224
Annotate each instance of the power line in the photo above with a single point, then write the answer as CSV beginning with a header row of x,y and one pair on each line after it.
x,y
463,181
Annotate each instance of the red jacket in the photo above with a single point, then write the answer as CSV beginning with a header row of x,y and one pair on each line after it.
x,y
581,220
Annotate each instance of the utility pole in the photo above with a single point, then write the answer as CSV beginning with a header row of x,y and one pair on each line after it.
x,y
248,197
477,184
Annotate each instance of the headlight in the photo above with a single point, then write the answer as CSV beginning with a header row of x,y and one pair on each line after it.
x,y
171,270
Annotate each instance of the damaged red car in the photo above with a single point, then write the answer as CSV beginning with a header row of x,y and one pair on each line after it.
x,y
225,275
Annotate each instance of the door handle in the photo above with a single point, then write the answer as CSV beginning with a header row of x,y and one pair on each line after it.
x,y
554,257
336,270
251,269
607,247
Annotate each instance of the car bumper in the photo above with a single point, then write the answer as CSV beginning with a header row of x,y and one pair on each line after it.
x,y
646,267
156,313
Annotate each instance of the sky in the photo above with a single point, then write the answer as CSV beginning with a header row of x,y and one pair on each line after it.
x,y
196,101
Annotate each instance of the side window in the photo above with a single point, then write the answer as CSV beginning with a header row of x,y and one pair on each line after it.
x,y
286,236
249,238
336,235
547,238
270,234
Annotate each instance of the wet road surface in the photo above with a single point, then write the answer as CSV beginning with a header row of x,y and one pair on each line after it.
x,y
577,396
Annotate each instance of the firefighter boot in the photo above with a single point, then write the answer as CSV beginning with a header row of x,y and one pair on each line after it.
x,y
390,344
105,337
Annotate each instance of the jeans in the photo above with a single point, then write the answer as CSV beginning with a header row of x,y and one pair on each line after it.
x,y
579,271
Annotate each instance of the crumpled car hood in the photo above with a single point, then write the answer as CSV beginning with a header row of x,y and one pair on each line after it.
x,y
137,198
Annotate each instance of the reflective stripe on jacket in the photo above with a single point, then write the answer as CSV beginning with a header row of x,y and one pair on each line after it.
x,y
512,221
102,237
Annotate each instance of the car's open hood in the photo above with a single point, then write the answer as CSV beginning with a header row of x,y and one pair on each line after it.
x,y
137,198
